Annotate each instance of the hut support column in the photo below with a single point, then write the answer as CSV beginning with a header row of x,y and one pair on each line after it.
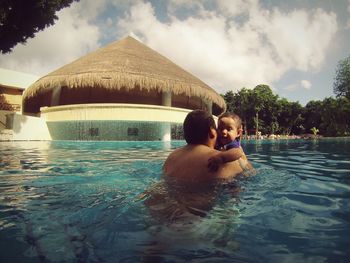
x,y
208,106
55,97
166,98
166,127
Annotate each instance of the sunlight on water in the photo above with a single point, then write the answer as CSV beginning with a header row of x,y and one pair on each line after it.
x,y
106,202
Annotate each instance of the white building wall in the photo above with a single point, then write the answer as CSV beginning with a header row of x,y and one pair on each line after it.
x,y
29,128
112,121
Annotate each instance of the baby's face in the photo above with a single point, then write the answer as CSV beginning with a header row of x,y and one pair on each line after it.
x,y
227,130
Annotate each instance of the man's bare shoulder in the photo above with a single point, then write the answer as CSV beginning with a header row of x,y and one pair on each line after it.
x,y
192,150
189,161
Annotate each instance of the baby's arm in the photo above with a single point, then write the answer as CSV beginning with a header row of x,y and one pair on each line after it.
x,y
224,157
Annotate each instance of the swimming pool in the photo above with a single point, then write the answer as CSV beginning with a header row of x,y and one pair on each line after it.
x,y
83,202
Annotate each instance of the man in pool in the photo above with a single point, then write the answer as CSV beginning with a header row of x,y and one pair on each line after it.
x,y
189,163
189,189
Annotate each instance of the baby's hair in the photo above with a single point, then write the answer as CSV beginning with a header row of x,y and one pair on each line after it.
x,y
233,116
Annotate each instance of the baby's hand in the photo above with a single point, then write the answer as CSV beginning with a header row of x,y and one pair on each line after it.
x,y
214,163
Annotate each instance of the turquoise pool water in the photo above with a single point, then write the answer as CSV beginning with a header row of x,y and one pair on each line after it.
x,y
85,202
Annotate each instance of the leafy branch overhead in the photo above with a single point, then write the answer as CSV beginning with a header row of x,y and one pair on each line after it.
x,y
21,19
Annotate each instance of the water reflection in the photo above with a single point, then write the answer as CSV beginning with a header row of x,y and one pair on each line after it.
x,y
44,184
85,201
188,214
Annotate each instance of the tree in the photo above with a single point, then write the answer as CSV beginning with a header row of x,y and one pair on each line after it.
x,y
335,117
264,102
290,117
240,103
229,98
260,108
245,108
21,19
313,114
341,86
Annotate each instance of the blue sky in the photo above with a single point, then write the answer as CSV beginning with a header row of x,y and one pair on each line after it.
x,y
292,46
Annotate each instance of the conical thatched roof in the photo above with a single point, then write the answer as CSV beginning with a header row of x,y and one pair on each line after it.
x,y
126,64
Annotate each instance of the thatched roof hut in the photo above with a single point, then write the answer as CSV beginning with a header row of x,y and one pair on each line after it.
x,y
125,71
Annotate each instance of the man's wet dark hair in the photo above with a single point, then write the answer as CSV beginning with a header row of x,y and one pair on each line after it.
x,y
197,125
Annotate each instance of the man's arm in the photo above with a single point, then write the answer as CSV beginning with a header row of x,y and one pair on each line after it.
x,y
247,167
224,157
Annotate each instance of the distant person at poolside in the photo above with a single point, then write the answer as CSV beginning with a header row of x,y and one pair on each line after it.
x,y
190,162
229,143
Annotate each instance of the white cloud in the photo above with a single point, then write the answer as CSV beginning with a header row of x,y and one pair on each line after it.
x,y
90,9
236,7
291,87
303,84
228,54
237,44
306,84
71,37
299,39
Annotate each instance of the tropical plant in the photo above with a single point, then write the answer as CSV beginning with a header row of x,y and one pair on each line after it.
x,y
314,130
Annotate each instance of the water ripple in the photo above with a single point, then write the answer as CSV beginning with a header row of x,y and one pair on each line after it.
x,y
85,202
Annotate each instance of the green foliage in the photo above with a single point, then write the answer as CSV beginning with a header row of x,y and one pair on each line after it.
x,y
261,110
259,107
21,19
240,103
313,114
290,117
335,119
314,130
341,85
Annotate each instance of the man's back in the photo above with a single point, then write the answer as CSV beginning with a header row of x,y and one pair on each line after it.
x,y
190,163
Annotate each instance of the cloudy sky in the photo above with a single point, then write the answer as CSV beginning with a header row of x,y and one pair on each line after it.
x,y
292,46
